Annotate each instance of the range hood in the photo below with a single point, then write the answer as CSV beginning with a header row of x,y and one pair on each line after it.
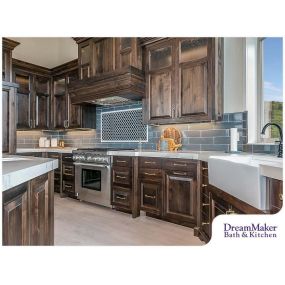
x,y
111,88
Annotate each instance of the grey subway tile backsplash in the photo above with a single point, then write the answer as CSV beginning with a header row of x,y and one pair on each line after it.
x,y
211,136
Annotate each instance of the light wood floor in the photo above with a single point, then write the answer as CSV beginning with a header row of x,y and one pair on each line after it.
x,y
79,223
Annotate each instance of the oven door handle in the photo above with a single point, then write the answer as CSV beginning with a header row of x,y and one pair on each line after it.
x,y
90,165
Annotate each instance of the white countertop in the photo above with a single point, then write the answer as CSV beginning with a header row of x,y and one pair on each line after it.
x,y
47,149
270,166
21,169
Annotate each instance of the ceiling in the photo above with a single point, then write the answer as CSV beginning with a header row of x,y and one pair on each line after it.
x,y
47,52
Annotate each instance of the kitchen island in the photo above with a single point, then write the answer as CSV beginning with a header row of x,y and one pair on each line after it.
x,y
27,200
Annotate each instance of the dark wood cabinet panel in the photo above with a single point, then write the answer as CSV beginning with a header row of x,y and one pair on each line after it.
x,y
16,216
39,210
9,91
122,175
60,111
28,213
121,196
160,92
150,196
275,193
180,197
194,94
183,84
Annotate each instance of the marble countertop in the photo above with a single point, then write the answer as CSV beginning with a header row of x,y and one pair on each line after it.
x,y
47,149
18,169
270,166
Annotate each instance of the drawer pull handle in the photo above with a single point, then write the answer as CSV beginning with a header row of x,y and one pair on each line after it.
x,y
205,204
121,177
281,197
204,185
121,161
204,168
150,174
149,196
179,164
149,162
230,212
121,197
67,186
204,224
180,173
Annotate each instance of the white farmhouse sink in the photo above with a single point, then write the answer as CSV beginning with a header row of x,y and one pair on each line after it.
x,y
240,177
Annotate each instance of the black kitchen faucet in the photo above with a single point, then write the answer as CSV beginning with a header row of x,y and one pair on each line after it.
x,y
280,147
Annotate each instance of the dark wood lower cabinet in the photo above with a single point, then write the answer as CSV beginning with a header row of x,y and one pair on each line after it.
x,y
28,213
15,225
275,193
180,197
150,194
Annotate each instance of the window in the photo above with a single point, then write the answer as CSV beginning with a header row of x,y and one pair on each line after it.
x,y
271,85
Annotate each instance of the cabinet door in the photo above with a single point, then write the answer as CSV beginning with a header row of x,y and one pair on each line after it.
x,y
24,118
42,111
74,111
275,188
103,57
84,59
194,92
160,82
60,102
5,120
180,197
15,218
39,211
150,196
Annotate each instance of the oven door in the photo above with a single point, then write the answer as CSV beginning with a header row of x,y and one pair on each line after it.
x,y
92,183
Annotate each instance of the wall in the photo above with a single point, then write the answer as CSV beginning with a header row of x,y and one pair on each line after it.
x,y
213,136
234,75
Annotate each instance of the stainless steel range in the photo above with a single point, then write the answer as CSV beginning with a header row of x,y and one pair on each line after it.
x,y
92,176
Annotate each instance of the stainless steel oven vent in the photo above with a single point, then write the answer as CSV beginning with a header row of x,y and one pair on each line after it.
x,y
123,126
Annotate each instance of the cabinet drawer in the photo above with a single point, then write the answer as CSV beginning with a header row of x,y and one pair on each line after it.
x,y
122,175
68,187
180,164
150,174
123,161
150,196
181,173
149,162
121,196
67,157
68,169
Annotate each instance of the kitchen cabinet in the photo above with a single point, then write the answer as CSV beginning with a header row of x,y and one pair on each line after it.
x,y
275,194
122,183
57,172
68,183
32,100
182,82
28,213
150,185
39,215
180,197
7,49
15,216
97,56
9,91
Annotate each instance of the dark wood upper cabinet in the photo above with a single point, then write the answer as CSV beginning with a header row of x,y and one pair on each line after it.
x,y
60,102
7,49
159,82
181,80
97,56
24,102
42,104
9,91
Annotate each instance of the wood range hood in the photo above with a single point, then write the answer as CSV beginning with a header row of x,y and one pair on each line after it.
x,y
111,88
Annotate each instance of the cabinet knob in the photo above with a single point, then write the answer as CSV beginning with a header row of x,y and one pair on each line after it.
x,y
281,197
205,204
204,168
149,196
204,185
206,223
